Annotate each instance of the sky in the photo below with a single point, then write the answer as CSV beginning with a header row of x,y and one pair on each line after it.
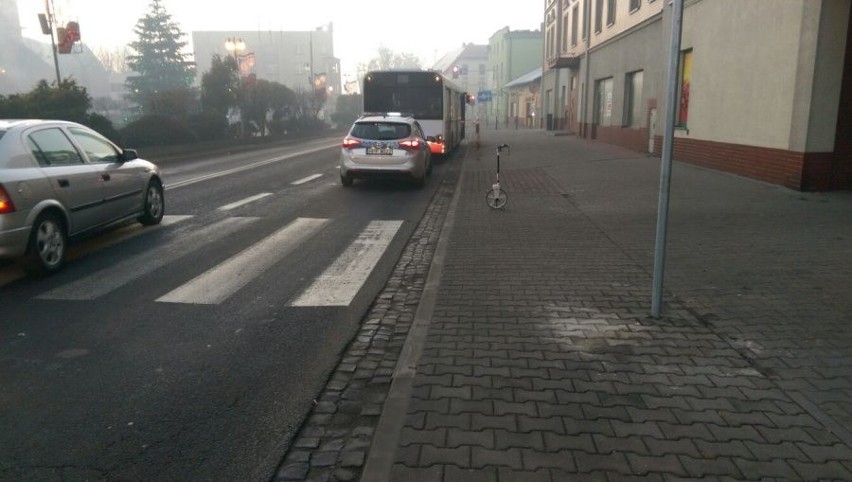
x,y
360,27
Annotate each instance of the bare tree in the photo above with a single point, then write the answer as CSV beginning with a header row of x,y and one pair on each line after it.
x,y
114,59
388,59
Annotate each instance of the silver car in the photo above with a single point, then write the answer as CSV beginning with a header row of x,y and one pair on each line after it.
x,y
60,180
385,145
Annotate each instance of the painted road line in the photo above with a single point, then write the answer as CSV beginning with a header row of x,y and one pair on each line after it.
x,y
219,283
339,284
245,201
14,272
306,179
117,275
227,172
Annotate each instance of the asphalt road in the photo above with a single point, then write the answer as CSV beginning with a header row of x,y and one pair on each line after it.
x,y
194,349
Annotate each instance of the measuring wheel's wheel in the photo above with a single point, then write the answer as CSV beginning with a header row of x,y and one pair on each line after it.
x,y
496,200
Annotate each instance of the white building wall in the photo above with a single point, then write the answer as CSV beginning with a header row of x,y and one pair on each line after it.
x,y
745,70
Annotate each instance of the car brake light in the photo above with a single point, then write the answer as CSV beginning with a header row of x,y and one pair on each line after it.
x,y
410,144
349,143
6,204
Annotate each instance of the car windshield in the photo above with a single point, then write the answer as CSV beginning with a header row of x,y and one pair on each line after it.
x,y
1,134
382,131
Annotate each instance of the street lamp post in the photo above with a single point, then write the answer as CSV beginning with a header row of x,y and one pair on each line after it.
x,y
235,45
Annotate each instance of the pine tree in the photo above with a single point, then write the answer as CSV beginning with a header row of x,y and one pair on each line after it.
x,y
159,61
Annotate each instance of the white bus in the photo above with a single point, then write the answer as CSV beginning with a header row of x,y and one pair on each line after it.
x,y
436,102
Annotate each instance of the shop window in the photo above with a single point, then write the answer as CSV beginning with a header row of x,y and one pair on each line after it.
x,y
633,99
603,102
684,88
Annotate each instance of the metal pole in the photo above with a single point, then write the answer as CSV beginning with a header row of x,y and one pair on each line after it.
x,y
51,16
311,42
666,159
587,20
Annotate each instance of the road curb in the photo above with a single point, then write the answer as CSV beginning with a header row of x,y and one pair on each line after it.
x,y
381,457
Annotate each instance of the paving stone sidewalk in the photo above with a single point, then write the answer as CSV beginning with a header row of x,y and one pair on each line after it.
x,y
541,362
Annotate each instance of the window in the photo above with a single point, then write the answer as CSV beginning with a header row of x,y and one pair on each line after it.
x,y
633,99
481,69
603,102
684,88
565,33
599,15
586,13
574,19
97,149
610,12
635,4
52,148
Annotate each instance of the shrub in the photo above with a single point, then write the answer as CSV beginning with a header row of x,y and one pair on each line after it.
x,y
102,125
208,125
157,130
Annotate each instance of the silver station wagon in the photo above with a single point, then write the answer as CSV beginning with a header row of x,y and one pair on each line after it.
x,y
383,145
60,180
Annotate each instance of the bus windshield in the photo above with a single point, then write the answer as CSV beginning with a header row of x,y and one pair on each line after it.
x,y
415,93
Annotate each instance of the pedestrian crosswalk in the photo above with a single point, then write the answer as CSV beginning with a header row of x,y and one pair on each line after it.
x,y
337,285
217,284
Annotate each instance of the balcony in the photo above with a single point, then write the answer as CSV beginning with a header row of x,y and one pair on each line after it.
x,y
567,60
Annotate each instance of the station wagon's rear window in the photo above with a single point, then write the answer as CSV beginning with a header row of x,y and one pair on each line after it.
x,y
381,131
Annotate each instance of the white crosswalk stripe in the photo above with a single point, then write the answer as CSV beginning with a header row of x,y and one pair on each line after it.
x,y
217,284
306,180
339,284
336,286
243,202
112,277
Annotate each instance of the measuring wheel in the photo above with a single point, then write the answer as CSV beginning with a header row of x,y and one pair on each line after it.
x,y
496,197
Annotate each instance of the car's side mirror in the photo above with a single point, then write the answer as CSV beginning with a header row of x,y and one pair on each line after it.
x,y
129,155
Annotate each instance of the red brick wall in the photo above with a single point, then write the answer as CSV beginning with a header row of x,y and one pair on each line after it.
x,y
636,139
805,171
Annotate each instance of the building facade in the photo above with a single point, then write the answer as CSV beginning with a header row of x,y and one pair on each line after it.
x,y
468,67
299,60
763,93
511,54
525,100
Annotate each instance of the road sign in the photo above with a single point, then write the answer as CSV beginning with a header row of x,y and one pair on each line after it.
x,y
483,96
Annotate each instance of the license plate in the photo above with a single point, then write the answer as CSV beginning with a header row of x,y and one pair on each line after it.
x,y
379,151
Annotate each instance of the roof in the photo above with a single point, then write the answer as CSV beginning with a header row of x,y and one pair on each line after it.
x,y
465,52
528,78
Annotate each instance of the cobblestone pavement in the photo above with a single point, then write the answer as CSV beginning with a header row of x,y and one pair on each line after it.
x,y
541,363
334,441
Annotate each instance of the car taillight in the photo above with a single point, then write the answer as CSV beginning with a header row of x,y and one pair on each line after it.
x,y
349,143
410,144
6,204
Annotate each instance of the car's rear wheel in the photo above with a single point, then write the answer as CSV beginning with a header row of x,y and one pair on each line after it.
x,y
154,206
346,180
47,245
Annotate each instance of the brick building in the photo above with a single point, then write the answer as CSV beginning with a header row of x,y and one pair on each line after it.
x,y
764,92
